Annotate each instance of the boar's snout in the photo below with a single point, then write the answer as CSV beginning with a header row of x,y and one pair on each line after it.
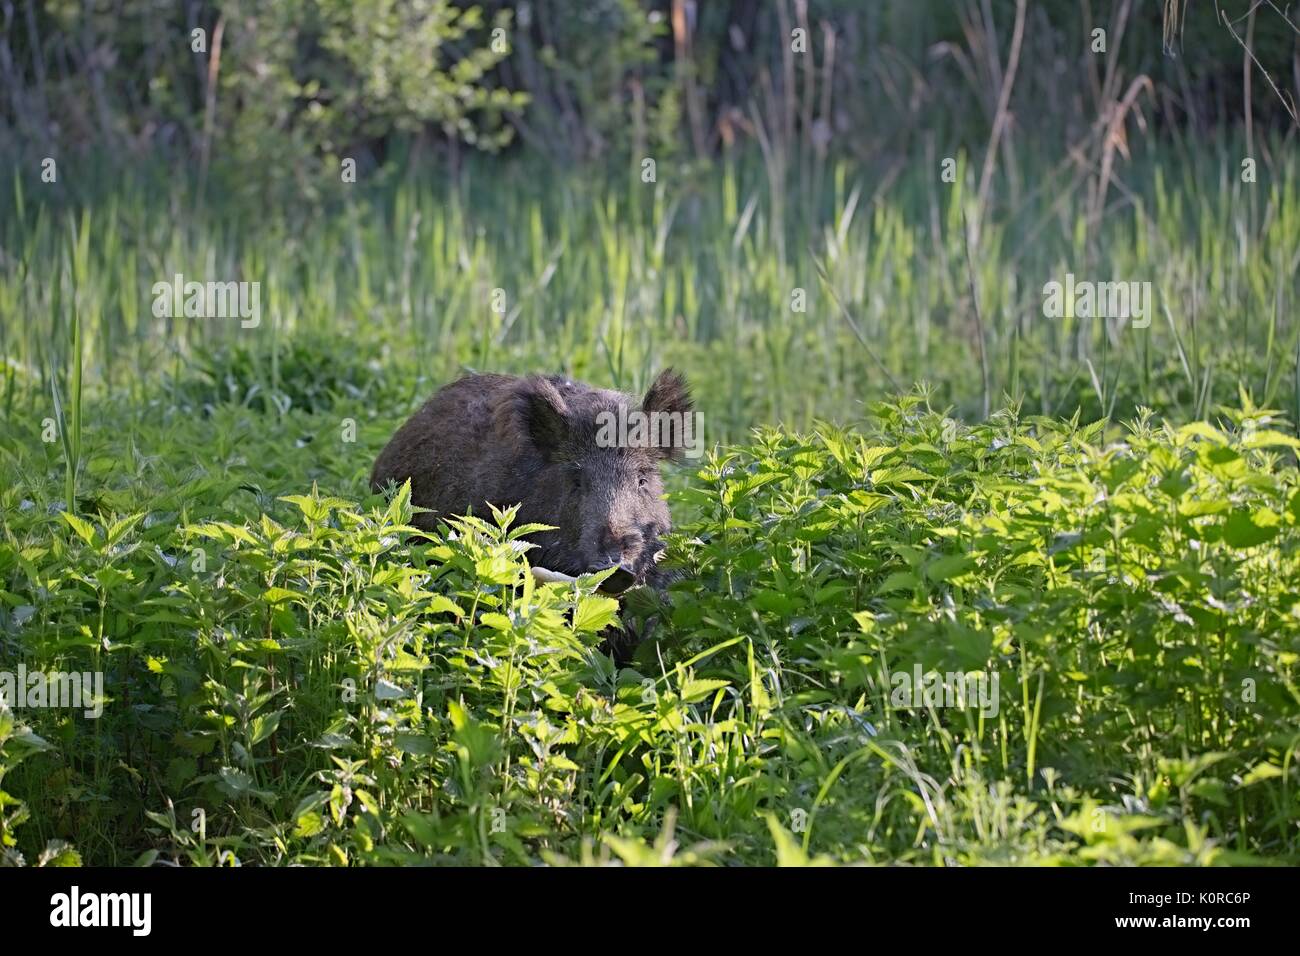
x,y
616,550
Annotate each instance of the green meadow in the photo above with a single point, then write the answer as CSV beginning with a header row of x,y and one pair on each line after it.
x,y
1091,524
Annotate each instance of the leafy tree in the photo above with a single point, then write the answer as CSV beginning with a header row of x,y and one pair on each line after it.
x,y
331,78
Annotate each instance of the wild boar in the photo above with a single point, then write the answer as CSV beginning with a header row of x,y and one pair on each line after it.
x,y
541,442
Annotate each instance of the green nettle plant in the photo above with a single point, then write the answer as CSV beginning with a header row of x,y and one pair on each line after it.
x,y
300,677
17,742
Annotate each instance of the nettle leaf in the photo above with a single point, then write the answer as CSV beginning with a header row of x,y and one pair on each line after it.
x,y
948,567
1203,430
868,457
899,475
119,529
423,828
777,602
1199,507
439,603
865,502
497,569
695,689
1261,772
84,529
899,581
1245,529
223,531
109,578
1182,771
387,690
594,613
59,853
1270,439
973,647
237,785
279,595
527,529
308,824
415,744
1175,484
399,508
262,726
311,508
866,621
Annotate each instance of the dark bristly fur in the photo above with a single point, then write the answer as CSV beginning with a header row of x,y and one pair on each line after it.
x,y
531,441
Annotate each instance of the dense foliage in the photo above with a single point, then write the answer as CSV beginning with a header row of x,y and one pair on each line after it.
x,y
283,88
292,676
1042,607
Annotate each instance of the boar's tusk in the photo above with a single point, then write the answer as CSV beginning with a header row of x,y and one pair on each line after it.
x,y
547,576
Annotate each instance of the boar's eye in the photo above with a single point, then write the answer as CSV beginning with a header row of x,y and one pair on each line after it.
x,y
575,475
643,482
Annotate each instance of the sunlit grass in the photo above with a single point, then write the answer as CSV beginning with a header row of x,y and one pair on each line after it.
x,y
608,281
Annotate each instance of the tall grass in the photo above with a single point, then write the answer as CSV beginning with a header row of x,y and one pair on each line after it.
x,y
607,280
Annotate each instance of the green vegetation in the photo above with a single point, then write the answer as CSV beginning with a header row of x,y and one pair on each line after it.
x,y
280,653
609,279
962,583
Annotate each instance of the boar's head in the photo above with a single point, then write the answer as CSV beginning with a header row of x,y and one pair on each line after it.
x,y
597,482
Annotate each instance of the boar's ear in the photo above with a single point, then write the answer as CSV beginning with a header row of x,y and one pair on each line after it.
x,y
541,413
670,394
